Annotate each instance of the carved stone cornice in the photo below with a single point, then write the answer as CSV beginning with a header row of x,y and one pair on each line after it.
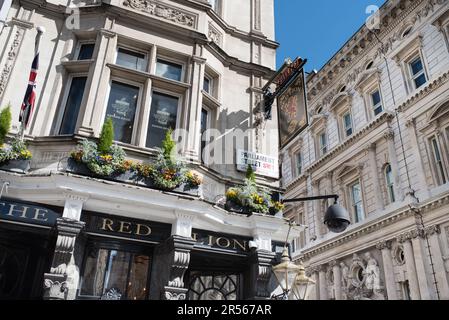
x,y
432,230
384,245
424,92
164,11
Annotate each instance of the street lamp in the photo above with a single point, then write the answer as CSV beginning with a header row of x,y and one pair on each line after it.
x,y
303,284
286,273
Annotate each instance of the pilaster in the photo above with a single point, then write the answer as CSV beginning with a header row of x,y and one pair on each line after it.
x,y
390,283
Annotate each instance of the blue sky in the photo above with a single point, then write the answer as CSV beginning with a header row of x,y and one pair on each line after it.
x,y
317,29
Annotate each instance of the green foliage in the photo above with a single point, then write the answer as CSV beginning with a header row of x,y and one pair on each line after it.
x,y
106,137
16,151
168,145
5,123
250,174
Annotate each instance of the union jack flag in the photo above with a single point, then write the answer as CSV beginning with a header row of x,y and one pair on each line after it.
x,y
30,95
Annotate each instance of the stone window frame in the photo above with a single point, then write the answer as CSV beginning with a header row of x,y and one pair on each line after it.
x,y
340,106
390,189
172,57
409,50
437,128
369,82
128,47
215,78
348,176
64,99
442,23
139,106
318,126
77,48
297,214
293,152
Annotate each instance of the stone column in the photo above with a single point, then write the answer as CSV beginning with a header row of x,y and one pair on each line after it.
x,y
97,84
193,119
314,292
375,176
56,285
260,273
390,283
337,279
323,284
389,137
420,170
432,234
405,239
62,281
421,258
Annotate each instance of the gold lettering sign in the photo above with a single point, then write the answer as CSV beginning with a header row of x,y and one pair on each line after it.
x,y
222,242
125,227
28,213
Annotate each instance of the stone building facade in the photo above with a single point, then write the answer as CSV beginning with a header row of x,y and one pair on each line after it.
x,y
200,64
378,138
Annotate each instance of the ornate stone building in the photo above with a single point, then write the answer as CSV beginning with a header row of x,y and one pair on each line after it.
x,y
184,64
379,138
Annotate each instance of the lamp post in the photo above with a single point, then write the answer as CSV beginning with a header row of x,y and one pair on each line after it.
x,y
292,277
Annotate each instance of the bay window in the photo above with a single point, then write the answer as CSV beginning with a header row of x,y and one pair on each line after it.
x,y
121,108
163,116
131,59
67,123
169,70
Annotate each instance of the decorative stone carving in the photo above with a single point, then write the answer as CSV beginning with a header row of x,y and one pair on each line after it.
x,y
11,59
214,35
55,282
163,11
261,262
383,245
112,294
174,294
429,231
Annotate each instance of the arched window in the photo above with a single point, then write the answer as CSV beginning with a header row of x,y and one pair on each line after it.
x,y
390,183
369,65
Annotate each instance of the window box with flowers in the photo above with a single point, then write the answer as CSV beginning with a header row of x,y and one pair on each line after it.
x,y
14,156
250,198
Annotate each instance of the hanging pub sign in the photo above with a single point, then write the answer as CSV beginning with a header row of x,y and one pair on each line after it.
x,y
291,100
27,213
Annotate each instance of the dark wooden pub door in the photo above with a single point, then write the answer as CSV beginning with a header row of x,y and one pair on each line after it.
x,y
25,255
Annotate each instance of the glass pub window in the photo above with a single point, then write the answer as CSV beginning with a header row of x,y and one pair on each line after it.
x,y
417,71
86,51
377,102
390,183
72,106
163,115
347,122
168,70
126,273
357,202
131,59
121,109
438,161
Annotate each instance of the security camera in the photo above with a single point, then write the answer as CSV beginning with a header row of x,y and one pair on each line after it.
x,y
337,219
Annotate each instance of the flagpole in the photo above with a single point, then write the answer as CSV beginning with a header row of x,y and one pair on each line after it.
x,y
40,32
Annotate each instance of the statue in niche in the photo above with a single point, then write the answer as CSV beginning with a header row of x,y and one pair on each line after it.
x,y
345,279
372,281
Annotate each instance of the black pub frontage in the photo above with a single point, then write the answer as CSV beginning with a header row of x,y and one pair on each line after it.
x,y
71,252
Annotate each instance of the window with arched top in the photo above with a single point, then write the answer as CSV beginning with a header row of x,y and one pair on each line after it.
x,y
390,183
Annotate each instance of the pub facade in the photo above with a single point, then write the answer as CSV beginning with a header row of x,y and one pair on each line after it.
x,y
191,65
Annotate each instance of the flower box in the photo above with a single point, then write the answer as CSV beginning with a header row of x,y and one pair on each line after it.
x,y
189,189
19,166
232,207
78,168
127,176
